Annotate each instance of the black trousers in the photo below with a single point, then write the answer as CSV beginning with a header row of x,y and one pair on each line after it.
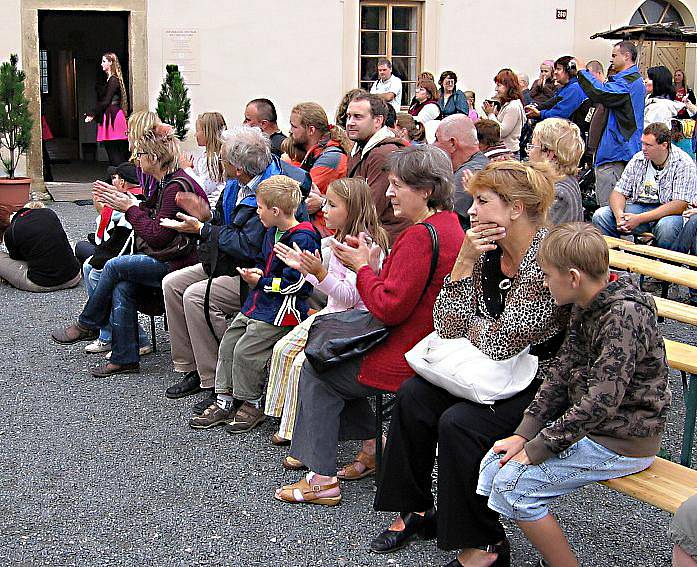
x,y
117,152
426,416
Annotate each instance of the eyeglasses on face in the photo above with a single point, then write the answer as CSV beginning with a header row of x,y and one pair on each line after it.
x,y
530,147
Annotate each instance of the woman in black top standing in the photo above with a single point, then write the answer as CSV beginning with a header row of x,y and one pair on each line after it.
x,y
110,112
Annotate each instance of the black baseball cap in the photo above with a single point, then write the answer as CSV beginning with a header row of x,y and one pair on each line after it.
x,y
126,171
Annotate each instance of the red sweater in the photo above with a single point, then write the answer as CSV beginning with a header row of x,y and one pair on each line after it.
x,y
394,297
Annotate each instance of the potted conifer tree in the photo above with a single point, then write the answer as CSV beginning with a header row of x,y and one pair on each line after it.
x,y
173,103
15,133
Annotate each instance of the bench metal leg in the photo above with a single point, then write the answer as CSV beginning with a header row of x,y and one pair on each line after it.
x,y
688,436
152,333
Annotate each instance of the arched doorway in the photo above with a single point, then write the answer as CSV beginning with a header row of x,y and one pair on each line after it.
x,y
668,53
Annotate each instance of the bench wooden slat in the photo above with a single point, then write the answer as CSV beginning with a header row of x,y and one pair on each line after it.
x,y
653,268
681,356
676,310
614,242
663,254
664,484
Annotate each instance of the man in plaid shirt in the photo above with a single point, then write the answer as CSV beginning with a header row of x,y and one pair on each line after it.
x,y
654,190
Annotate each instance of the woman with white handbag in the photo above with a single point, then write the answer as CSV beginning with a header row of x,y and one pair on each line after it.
x,y
497,328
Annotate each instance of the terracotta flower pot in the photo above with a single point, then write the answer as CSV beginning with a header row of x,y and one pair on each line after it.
x,y
14,193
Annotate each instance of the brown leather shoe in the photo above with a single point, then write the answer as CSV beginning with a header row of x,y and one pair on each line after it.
x,y
293,464
350,472
279,441
111,368
74,334
246,419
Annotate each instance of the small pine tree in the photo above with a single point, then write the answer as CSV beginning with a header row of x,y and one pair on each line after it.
x,y
173,103
15,118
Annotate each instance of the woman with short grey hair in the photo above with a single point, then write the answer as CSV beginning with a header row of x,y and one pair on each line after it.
x,y
246,148
333,405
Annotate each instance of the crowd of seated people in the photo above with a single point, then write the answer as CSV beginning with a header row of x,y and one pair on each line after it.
x,y
456,240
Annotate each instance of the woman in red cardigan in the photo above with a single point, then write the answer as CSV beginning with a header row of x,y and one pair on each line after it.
x,y
334,405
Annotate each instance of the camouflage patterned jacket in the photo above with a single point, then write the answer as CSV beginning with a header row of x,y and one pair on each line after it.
x,y
610,383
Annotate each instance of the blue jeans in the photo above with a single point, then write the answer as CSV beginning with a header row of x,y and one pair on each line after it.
x,y
114,301
91,279
522,492
686,242
665,230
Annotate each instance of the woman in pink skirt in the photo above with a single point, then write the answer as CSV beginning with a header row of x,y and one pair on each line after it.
x,y
110,112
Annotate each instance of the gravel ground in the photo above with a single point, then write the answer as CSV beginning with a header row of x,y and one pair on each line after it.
x,y
107,472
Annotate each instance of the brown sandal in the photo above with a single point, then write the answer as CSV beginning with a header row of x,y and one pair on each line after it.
x,y
292,464
307,493
350,472
279,441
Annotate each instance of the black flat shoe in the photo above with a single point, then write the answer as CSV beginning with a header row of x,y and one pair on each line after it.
x,y
503,550
204,403
423,527
187,386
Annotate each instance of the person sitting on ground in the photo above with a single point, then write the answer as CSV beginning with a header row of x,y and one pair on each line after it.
x,y
661,105
510,115
559,142
326,153
489,140
603,406
207,167
451,100
333,405
457,137
425,107
234,234
39,257
543,88
349,211
683,535
409,130
113,237
654,190
276,303
495,297
114,298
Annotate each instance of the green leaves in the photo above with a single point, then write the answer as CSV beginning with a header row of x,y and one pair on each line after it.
x,y
173,103
15,118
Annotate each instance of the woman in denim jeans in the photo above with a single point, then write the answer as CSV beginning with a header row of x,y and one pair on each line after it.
x,y
686,241
114,298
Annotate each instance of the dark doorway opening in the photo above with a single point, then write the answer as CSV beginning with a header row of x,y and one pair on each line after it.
x,y
71,45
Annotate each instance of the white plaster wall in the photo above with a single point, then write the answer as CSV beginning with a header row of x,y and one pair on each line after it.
x,y
477,38
10,29
286,51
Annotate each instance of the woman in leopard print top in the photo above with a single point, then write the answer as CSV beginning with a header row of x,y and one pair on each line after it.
x,y
496,298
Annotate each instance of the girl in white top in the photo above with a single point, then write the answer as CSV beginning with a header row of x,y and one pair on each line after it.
x,y
511,115
660,91
207,167
349,211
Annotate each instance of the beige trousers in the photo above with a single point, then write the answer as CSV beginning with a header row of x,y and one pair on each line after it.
x,y
193,345
15,273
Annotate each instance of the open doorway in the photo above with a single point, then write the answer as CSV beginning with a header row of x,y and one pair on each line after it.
x,y
71,44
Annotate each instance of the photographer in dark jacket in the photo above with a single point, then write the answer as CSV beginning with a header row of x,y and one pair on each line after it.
x,y
232,230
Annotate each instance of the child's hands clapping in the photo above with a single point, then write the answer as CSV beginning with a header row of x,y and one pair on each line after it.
x,y
304,261
250,275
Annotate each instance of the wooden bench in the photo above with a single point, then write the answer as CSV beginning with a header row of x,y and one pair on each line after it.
x,y
676,311
651,251
654,268
664,484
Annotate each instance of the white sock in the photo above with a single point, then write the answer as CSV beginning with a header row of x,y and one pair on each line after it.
x,y
224,401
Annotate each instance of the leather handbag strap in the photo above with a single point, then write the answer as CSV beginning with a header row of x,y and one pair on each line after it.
x,y
434,257
207,297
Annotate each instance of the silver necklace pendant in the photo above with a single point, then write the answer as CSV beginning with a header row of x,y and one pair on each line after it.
x,y
505,284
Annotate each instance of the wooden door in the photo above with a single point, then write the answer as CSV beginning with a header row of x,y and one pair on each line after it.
x,y
670,54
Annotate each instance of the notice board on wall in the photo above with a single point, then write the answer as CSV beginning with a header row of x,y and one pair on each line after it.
x,y
182,47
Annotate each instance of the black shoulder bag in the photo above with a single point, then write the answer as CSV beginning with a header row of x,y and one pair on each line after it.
x,y
336,337
181,245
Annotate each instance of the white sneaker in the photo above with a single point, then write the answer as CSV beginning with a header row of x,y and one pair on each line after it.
x,y
142,351
98,346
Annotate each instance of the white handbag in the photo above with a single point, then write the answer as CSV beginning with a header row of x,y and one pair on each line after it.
x,y
459,367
